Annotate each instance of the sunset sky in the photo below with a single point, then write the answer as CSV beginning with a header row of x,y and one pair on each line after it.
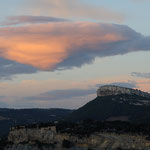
x,y
56,53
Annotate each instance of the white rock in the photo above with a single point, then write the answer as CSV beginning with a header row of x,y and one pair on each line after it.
x,y
115,90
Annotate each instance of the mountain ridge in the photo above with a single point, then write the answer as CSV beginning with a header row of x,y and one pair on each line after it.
x,y
115,102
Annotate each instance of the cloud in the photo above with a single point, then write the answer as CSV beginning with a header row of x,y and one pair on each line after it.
x,y
15,20
9,69
64,45
125,84
139,74
2,104
24,97
76,9
63,94
141,0
129,84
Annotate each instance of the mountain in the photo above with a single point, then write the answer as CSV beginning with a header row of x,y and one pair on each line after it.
x,y
116,103
13,117
112,103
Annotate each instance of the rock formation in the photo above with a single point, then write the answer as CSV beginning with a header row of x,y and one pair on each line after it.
x,y
108,90
96,140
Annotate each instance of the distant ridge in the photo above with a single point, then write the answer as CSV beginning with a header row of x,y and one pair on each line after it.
x,y
13,117
108,90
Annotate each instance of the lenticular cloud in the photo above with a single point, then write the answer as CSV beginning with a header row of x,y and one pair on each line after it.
x,y
60,45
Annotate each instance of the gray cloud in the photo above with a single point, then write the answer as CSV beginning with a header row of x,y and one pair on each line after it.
x,y
2,104
140,0
86,55
122,84
139,74
15,20
9,69
63,94
2,97
76,9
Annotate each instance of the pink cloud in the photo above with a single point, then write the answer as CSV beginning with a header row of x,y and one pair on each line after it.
x,y
67,44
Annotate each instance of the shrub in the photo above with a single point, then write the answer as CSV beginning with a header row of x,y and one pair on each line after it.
x,y
67,144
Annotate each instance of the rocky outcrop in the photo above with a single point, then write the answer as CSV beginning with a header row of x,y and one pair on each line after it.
x,y
108,90
25,135
30,138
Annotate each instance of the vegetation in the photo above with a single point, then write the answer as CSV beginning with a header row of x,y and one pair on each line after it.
x,y
67,144
47,145
14,117
87,127
102,108
3,143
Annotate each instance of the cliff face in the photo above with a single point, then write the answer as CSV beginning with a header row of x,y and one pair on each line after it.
x,y
43,135
50,138
115,90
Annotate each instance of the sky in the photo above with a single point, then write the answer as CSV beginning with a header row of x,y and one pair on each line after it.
x,y
56,53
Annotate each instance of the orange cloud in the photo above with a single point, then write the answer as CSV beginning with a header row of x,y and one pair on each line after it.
x,y
39,53
67,44
44,46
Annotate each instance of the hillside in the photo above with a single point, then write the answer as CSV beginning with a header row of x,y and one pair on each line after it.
x,y
13,117
116,103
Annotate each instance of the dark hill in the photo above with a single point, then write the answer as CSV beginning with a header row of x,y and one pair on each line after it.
x,y
13,117
127,106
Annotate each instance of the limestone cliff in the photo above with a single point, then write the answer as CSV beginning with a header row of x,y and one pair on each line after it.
x,y
42,135
95,141
108,90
